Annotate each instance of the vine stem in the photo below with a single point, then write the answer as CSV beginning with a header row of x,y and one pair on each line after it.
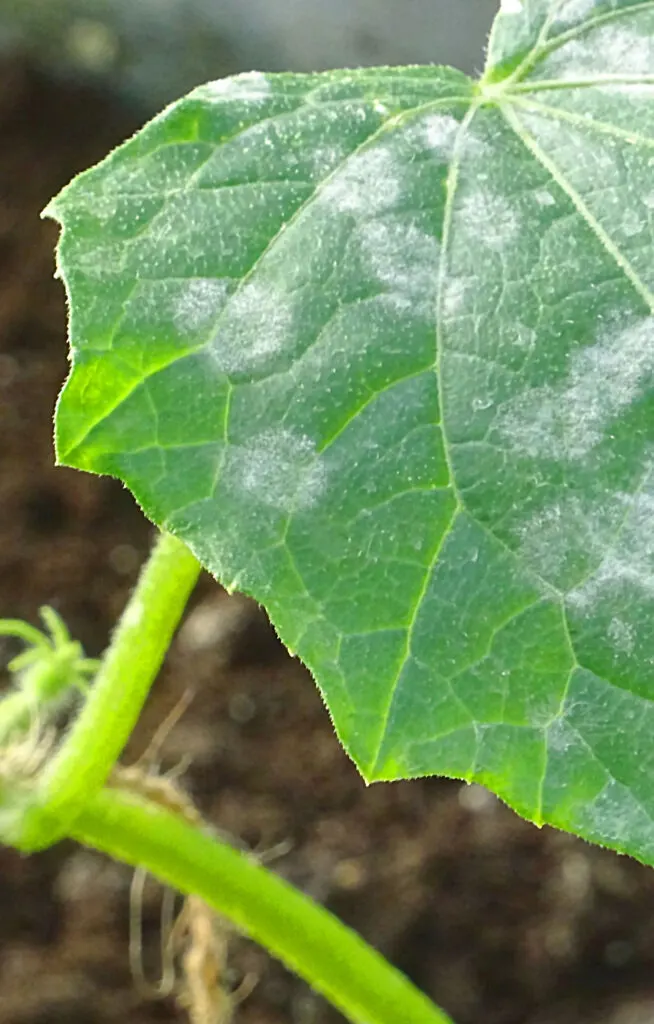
x,y
105,722
306,937
69,797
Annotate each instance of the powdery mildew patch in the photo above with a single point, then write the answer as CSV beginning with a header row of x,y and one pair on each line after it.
x,y
521,336
198,303
544,197
616,813
572,11
622,635
404,259
368,184
613,50
439,133
280,469
252,86
488,218
560,737
454,293
564,423
629,562
585,158
632,224
256,324
551,539
325,159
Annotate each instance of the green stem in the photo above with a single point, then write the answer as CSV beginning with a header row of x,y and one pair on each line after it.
x,y
68,798
306,937
17,709
129,667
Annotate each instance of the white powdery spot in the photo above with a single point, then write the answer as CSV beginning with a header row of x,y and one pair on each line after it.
x,y
544,198
489,219
404,259
633,90
565,423
554,537
622,635
368,184
453,295
200,302
282,470
325,159
439,133
629,563
253,86
601,156
481,404
573,11
632,224
628,52
521,336
511,7
615,815
560,737
609,51
256,324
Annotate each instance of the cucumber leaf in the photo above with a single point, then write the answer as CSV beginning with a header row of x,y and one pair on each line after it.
x,y
379,346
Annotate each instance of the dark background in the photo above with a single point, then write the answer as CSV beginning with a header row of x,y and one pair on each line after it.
x,y
154,50
499,922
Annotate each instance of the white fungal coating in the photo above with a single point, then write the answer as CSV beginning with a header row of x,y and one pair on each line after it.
x,y
369,183
256,324
280,468
252,86
404,259
489,218
565,422
199,302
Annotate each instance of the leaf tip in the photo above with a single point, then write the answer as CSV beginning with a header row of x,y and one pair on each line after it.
x,y
49,212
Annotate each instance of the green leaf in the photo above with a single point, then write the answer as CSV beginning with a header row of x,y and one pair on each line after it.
x,y
378,345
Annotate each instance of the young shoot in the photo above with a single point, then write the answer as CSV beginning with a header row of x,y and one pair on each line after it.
x,y
44,675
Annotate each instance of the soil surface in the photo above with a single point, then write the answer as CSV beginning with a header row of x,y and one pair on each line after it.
x,y
499,922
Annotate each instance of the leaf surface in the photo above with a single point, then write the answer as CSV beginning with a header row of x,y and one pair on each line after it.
x,y
379,346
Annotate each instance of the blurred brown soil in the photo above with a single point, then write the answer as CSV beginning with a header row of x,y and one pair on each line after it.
x,y
499,922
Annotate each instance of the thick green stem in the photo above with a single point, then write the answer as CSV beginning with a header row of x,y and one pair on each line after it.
x,y
129,667
306,937
67,798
